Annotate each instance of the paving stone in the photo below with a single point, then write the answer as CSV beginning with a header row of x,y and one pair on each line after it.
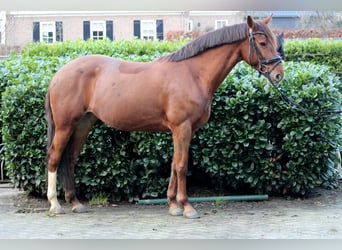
x,y
319,217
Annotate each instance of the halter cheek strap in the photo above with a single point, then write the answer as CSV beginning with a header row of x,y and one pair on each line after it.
x,y
261,60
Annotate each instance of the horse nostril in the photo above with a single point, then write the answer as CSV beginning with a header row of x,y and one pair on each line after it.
x,y
278,77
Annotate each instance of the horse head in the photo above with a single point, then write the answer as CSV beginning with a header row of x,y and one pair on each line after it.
x,y
263,50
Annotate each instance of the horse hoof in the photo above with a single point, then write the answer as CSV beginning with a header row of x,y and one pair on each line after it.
x,y
56,210
79,209
191,214
176,211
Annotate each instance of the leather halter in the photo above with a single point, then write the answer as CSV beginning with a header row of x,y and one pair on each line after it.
x,y
262,61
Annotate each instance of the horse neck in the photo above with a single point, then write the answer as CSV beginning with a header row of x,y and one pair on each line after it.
x,y
212,66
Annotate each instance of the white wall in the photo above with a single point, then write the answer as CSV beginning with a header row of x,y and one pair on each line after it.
x,y
3,26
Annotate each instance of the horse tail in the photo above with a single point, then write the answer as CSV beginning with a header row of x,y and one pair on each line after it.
x,y
63,173
50,122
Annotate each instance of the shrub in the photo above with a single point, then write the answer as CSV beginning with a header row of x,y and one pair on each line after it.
x,y
250,125
22,114
320,52
142,50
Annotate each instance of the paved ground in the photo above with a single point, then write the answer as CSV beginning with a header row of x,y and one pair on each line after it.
x,y
319,216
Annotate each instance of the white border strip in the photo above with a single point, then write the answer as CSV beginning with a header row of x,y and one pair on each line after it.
x,y
174,5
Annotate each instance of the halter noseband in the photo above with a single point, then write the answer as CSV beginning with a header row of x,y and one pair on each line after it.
x,y
262,62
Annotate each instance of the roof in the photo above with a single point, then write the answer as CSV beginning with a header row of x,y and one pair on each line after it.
x,y
295,14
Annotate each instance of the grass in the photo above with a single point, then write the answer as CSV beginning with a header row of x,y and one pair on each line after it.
x,y
100,199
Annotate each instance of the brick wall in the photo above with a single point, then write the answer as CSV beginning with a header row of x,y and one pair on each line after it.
x,y
20,27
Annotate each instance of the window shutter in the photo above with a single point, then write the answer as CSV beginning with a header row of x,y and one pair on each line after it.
x,y
36,32
136,24
59,31
160,29
86,30
109,29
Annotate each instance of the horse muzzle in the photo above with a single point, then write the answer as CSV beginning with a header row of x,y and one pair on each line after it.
x,y
272,69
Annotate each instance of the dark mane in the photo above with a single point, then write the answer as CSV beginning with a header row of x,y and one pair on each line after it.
x,y
225,35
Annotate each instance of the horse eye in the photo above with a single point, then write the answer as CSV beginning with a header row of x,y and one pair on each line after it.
x,y
263,44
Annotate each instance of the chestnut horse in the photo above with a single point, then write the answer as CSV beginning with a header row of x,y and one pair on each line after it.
x,y
173,93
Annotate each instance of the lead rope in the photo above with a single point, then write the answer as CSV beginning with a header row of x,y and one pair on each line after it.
x,y
293,105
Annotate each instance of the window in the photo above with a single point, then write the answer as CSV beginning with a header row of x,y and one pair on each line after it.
x,y
97,30
220,23
190,25
48,32
148,29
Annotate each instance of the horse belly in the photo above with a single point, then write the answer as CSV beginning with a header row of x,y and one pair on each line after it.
x,y
131,109
134,119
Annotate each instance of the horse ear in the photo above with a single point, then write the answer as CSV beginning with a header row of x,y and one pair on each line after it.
x,y
268,19
250,22
282,35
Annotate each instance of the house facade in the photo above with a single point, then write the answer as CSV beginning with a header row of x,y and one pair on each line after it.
x,y
211,20
17,28
50,27
23,27
2,27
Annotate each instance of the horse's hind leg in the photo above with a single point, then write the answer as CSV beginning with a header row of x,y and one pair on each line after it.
x,y
55,152
174,208
76,142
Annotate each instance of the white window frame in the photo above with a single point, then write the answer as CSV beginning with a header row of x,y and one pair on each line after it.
x,y
220,23
146,33
44,29
94,28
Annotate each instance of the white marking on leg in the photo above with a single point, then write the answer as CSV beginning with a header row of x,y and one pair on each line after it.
x,y
52,192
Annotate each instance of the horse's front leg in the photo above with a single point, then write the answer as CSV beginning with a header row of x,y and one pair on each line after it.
x,y
181,135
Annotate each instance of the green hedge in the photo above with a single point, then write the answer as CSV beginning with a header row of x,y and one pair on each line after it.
x,y
249,125
134,50
318,51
